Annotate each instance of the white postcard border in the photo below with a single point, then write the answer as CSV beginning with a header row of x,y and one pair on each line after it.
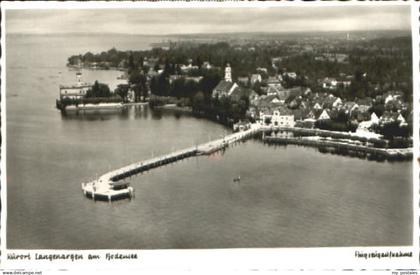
x,y
217,259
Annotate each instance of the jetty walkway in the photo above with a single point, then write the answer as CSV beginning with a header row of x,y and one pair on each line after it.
x,y
110,186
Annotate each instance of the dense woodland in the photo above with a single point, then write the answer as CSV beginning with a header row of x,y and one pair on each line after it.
x,y
376,66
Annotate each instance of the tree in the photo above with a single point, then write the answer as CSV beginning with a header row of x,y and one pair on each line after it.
x,y
342,117
378,109
138,81
243,105
122,90
154,85
178,70
141,62
393,129
198,101
88,57
178,87
257,88
131,66
160,85
209,81
190,89
98,90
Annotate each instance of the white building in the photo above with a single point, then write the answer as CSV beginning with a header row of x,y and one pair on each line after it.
x,y
255,78
206,65
280,117
131,96
388,117
393,96
374,118
226,86
402,120
317,106
389,98
228,73
185,68
324,115
365,126
75,91
282,120
262,70
291,75
330,83
337,103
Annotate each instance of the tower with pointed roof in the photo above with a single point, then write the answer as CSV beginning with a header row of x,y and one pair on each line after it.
x,y
228,73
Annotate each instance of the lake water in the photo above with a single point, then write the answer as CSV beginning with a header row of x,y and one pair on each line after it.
x,y
287,197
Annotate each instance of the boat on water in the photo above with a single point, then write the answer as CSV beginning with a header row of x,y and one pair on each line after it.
x,y
237,179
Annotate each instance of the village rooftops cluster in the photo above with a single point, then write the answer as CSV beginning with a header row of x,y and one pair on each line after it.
x,y
278,106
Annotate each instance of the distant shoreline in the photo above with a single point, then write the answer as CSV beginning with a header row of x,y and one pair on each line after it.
x,y
174,107
189,35
99,106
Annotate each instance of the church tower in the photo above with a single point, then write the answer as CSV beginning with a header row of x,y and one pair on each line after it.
x,y
228,73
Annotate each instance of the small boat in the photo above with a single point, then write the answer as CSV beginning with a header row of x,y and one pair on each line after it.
x,y
237,179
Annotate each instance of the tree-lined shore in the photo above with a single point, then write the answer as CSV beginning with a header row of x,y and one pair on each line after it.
x,y
361,70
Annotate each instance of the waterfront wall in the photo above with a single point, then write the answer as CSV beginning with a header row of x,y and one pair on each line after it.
x,y
391,153
324,133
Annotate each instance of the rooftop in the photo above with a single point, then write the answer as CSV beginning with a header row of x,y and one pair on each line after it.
x,y
224,86
76,86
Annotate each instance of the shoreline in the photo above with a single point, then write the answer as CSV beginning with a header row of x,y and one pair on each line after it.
x,y
90,106
310,136
92,68
347,141
372,137
174,107
136,103
101,106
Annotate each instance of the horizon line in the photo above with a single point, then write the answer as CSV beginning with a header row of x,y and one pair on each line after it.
x,y
210,33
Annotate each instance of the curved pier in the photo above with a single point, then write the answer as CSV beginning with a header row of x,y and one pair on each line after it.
x,y
108,186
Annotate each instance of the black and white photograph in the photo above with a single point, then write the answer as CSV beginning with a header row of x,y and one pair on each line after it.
x,y
208,127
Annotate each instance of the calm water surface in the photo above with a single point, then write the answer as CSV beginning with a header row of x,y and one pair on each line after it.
x,y
288,196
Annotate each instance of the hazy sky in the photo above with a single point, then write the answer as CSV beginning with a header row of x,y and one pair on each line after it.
x,y
216,20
